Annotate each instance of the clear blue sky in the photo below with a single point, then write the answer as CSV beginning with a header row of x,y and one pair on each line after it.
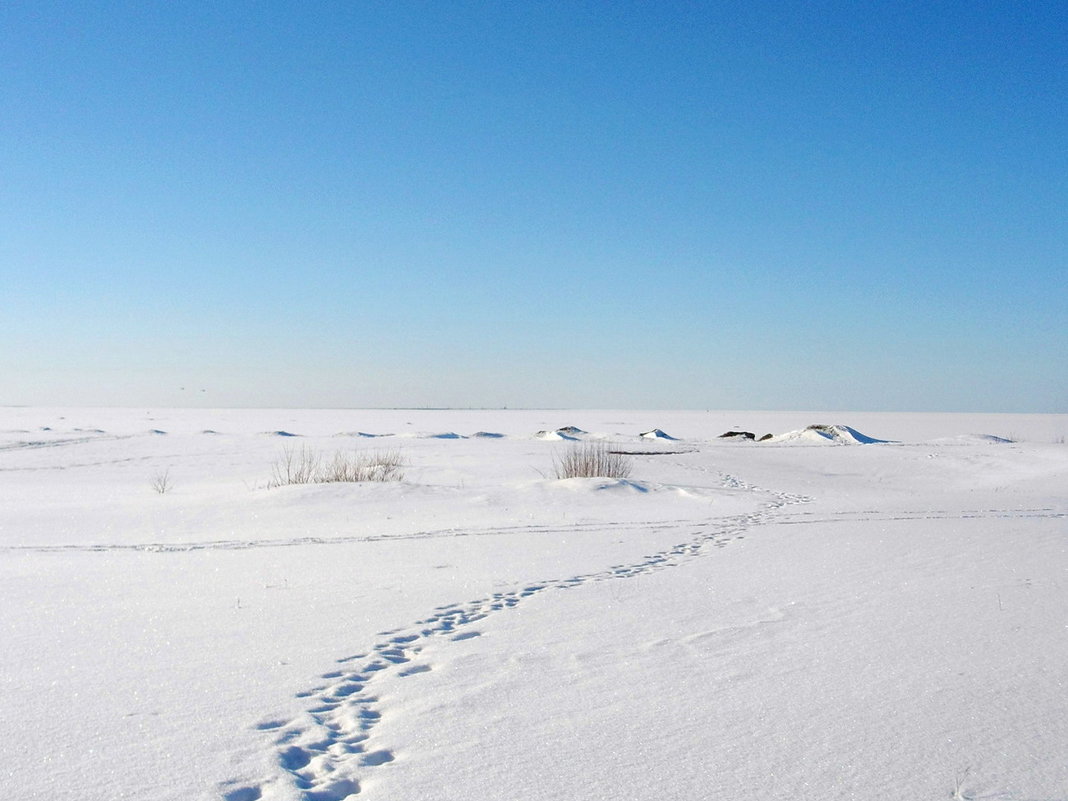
x,y
765,205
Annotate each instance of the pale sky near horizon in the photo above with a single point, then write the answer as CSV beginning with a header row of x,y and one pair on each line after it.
x,y
743,205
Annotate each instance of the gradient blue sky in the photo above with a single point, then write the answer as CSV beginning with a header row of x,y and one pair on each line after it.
x,y
764,205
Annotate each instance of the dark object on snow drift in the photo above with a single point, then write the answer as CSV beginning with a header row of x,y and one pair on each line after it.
x,y
738,435
766,436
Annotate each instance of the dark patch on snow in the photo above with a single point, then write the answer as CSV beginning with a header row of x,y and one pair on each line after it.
x,y
737,435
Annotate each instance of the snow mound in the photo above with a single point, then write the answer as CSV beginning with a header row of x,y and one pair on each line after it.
x,y
280,434
487,435
819,434
974,439
554,436
362,434
615,485
570,431
656,433
622,487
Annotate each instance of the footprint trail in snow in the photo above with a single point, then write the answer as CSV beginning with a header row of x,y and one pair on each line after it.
x,y
324,753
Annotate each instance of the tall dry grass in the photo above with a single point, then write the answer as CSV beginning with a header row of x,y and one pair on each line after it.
x,y
591,460
307,466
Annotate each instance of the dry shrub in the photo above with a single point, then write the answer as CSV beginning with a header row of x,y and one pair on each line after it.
x,y
591,460
306,466
161,481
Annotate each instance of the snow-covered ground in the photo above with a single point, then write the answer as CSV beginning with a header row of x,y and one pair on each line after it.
x,y
816,616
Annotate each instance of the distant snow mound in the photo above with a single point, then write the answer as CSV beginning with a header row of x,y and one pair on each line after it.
x,y
656,433
280,434
363,434
487,435
444,435
553,436
746,435
570,431
974,439
820,434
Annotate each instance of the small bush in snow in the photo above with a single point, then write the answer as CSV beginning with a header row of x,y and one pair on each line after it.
x,y
161,482
306,466
591,460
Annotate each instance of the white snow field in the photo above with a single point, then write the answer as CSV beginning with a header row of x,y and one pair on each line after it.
x,y
873,609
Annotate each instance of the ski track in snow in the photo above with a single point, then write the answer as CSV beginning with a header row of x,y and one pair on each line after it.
x,y
243,545
781,518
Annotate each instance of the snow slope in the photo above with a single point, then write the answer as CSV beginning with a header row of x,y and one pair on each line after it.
x,y
735,620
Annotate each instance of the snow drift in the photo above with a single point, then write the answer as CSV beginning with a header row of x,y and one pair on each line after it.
x,y
820,434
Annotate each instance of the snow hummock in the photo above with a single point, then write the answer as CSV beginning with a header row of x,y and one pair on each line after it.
x,y
554,436
656,433
975,439
822,434
570,431
747,436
